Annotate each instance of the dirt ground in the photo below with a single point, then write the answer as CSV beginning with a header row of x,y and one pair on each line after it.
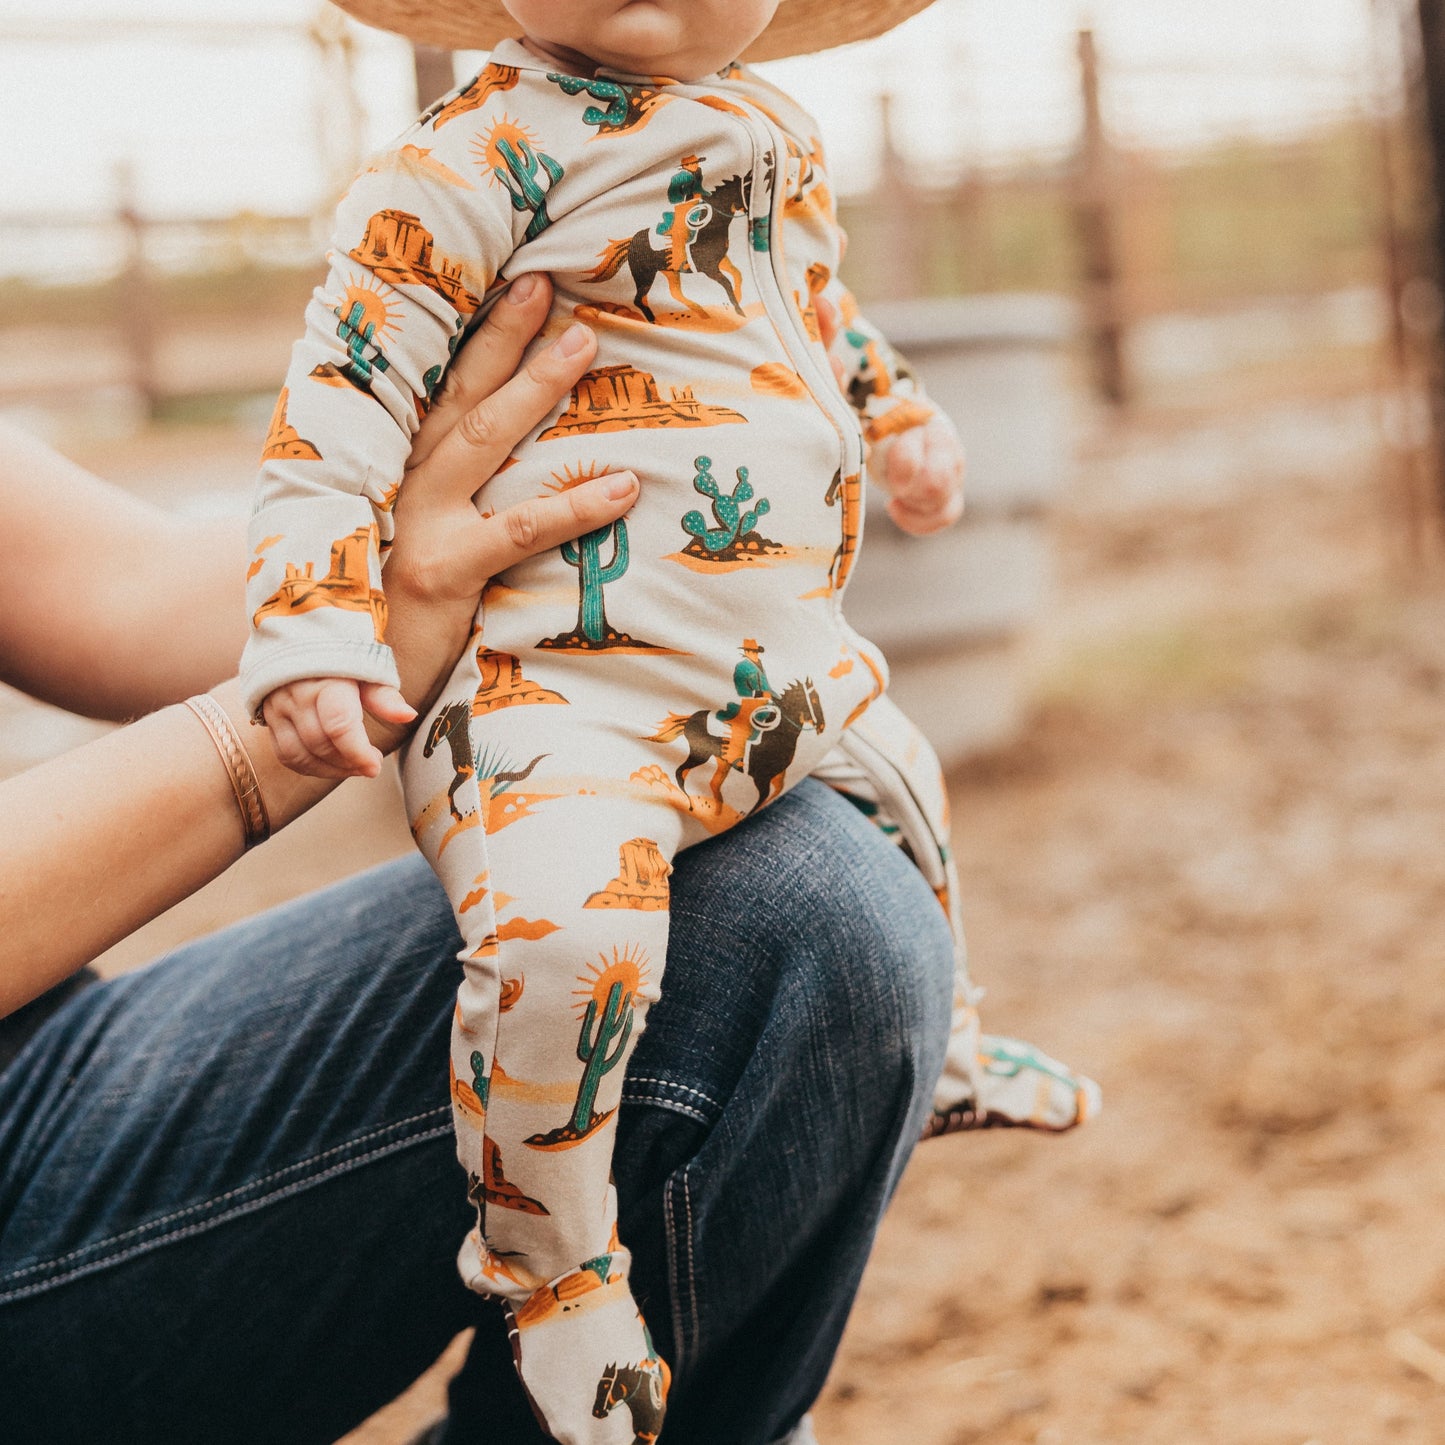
x,y
1212,874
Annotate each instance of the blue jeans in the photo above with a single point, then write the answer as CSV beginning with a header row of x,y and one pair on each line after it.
x,y
181,1150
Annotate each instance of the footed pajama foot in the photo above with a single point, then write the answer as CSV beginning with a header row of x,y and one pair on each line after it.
x,y
1009,1084
586,1358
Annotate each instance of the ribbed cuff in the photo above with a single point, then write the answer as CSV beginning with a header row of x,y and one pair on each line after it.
x,y
263,670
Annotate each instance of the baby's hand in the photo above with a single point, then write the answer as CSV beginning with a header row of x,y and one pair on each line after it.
x,y
318,726
923,477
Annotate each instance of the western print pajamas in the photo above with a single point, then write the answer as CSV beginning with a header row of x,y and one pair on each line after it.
x,y
633,692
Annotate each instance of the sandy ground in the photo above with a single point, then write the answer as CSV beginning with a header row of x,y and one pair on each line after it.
x,y
1211,873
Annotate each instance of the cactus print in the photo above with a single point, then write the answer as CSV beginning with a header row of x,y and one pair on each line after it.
x,y
600,720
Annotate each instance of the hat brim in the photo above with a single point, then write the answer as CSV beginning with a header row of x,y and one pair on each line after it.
x,y
800,27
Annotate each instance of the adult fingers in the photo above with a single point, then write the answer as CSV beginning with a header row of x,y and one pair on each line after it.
x,y
481,439
487,359
523,531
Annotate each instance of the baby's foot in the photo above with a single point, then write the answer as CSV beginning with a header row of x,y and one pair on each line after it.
x,y
990,1082
586,1358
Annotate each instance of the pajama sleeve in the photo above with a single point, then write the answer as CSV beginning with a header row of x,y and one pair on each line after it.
x,y
877,381
417,243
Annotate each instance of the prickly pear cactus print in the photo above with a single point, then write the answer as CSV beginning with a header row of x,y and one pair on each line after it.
x,y
621,109
734,524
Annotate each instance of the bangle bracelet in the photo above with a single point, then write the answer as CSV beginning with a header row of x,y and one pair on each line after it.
x,y
238,766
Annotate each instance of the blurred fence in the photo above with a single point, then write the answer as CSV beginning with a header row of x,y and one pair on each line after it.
x,y
151,312
1309,204
1272,251
1313,192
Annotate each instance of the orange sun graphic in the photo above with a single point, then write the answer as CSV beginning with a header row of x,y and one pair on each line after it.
x,y
488,148
566,479
629,968
373,300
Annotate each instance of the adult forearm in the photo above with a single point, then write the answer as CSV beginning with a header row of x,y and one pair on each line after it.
x,y
112,606
97,842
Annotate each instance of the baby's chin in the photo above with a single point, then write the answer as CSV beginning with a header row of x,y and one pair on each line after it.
x,y
645,39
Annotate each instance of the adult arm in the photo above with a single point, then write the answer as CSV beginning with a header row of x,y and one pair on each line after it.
x,y
94,843
95,576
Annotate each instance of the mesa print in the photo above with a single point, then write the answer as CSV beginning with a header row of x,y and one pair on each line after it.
x,y
283,441
489,81
623,398
346,585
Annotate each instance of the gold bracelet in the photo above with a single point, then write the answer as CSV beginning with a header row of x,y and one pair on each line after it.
x,y
238,766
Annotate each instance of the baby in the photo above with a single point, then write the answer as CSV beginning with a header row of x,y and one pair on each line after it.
x,y
655,682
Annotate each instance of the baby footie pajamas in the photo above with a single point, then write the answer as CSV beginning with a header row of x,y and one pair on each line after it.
x,y
630,693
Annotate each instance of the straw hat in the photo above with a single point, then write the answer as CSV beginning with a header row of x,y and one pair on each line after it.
x,y
799,28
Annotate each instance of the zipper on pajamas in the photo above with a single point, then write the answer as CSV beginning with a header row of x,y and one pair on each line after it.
x,y
817,374
821,382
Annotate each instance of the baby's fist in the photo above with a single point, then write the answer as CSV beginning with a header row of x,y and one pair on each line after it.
x,y
318,725
923,476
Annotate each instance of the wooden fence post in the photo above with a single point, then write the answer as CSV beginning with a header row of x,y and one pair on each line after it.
x,y
899,201
1429,107
1093,217
1416,459
136,300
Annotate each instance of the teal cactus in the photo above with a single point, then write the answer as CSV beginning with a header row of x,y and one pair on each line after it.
x,y
481,1084
431,378
614,94
586,556
732,521
359,341
520,177
760,233
600,1265
596,1051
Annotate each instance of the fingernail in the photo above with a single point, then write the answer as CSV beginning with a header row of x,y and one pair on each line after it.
x,y
522,289
573,339
622,485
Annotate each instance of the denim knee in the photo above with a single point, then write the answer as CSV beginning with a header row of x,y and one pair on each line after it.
x,y
861,930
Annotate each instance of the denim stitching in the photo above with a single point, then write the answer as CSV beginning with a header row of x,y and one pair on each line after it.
x,y
684,1088
25,1291
691,1269
229,1194
679,1335
632,1097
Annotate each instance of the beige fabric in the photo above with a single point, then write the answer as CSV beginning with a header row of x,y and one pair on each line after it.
x,y
799,28
632,693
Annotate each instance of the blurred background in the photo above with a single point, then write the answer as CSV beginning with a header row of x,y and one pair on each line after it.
x,y
1173,271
